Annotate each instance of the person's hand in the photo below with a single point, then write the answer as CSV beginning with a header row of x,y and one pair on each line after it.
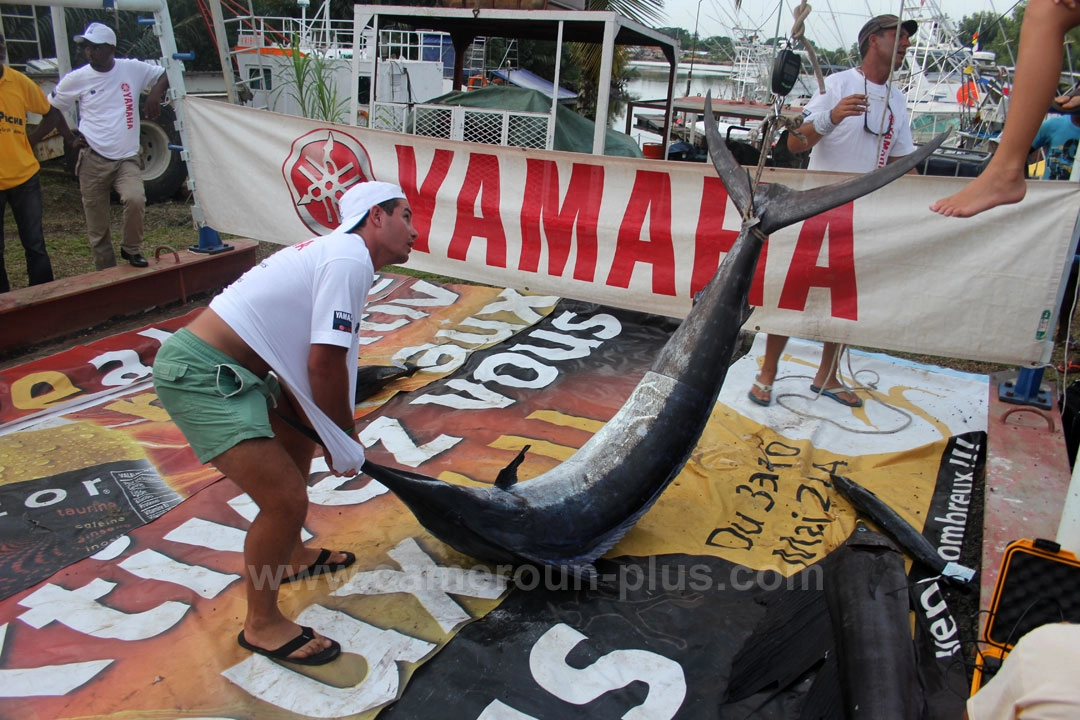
x,y
78,143
152,108
1071,4
851,106
1068,102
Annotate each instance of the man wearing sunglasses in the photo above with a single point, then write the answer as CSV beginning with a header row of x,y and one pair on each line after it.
x,y
859,124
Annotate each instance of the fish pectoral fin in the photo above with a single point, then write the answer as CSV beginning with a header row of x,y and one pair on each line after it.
x,y
507,477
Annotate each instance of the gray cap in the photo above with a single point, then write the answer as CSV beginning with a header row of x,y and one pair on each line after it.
x,y
884,22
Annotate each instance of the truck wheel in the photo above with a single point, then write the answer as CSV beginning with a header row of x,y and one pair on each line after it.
x,y
163,169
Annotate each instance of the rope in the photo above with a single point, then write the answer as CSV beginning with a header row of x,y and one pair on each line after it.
x,y
855,388
889,82
798,33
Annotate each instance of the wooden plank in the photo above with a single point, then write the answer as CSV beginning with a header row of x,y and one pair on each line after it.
x,y
1027,479
43,312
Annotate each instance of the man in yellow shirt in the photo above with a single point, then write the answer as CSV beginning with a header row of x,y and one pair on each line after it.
x,y
19,184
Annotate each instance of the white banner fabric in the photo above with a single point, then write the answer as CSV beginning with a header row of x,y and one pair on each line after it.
x,y
881,272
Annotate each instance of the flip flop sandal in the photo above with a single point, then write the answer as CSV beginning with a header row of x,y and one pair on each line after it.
x,y
760,387
833,393
321,567
282,653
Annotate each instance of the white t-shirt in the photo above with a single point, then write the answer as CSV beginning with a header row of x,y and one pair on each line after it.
x,y
309,293
850,148
108,104
1037,681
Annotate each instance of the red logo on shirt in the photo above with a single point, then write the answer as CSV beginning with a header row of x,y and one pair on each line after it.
x,y
321,166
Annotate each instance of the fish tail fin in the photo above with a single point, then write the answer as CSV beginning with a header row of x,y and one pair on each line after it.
x,y
735,179
782,206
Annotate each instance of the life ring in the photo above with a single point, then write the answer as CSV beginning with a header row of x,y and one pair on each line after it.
x,y
362,114
477,81
968,94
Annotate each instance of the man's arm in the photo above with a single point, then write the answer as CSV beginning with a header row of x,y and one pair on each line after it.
x,y
152,108
52,120
850,106
328,374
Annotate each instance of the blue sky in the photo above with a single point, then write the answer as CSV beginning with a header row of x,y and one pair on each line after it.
x,y
832,23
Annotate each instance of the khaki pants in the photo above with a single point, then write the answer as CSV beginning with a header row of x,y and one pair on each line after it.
x,y
97,177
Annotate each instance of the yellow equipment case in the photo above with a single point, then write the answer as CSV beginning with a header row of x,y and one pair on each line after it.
x,y
1039,583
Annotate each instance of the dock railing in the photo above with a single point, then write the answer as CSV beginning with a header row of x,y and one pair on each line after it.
x,y
454,122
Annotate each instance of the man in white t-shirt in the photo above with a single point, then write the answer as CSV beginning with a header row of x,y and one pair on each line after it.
x,y
274,356
850,128
107,89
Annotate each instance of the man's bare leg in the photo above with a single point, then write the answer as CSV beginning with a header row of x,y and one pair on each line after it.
x,y
263,469
774,348
301,449
828,374
1038,67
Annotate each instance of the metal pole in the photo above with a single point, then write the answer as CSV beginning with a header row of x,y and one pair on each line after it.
x,y
549,143
136,5
223,50
603,94
693,48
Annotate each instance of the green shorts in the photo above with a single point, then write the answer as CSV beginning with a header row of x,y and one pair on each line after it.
x,y
214,401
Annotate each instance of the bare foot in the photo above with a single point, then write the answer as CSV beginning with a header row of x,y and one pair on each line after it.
x,y
989,190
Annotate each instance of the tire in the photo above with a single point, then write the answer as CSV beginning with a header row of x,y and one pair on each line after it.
x,y
163,169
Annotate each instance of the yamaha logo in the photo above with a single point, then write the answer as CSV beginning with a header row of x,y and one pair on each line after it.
x,y
321,166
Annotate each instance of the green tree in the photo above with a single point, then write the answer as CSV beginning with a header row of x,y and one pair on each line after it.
x,y
721,47
1000,34
587,56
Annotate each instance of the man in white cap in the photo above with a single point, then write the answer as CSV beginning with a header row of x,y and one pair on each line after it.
x,y
859,124
107,89
274,355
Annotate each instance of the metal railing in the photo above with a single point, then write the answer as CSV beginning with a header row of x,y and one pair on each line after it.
x,y
454,122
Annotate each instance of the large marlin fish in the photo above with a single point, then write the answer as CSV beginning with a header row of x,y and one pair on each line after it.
x,y
571,515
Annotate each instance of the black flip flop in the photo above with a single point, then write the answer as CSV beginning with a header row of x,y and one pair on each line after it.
x,y
321,567
282,653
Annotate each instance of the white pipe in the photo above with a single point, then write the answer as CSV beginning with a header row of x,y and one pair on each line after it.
x,y
604,91
1068,534
136,5
60,41
549,143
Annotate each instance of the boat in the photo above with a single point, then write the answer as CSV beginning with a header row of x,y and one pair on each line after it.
x,y
947,86
406,60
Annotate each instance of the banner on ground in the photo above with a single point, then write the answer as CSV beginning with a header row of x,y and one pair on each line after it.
x,y
882,272
87,453
147,625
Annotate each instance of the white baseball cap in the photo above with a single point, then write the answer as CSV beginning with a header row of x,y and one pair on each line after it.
x,y
358,200
97,34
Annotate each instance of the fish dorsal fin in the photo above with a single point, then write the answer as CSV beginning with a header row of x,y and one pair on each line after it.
x,y
507,477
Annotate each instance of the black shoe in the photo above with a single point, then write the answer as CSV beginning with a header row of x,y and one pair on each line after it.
x,y
136,259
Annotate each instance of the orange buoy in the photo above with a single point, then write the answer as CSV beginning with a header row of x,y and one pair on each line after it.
x,y
968,94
